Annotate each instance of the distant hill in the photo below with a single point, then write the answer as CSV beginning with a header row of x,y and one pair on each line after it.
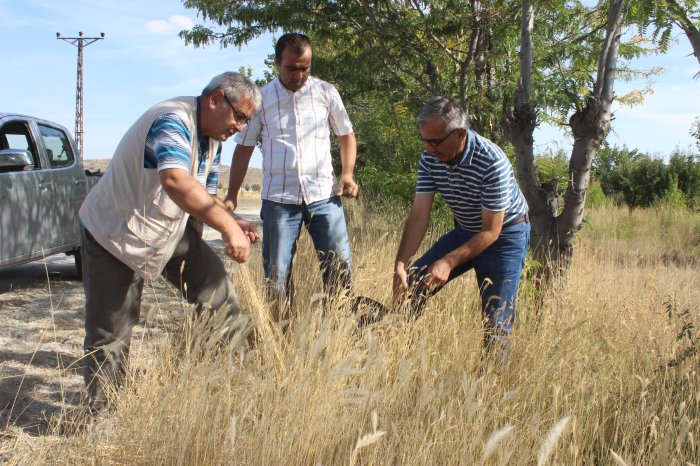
x,y
253,176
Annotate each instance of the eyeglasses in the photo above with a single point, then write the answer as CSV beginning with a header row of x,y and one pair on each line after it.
x,y
240,117
437,142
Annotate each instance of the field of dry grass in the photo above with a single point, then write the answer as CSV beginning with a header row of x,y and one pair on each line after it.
x,y
603,373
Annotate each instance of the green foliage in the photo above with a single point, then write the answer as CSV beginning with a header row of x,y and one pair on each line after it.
x,y
685,168
595,196
255,188
409,51
389,148
607,165
686,333
644,182
553,166
695,131
673,197
387,58
663,16
640,180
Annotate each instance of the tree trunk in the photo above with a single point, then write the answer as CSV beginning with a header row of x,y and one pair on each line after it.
x,y
590,127
554,228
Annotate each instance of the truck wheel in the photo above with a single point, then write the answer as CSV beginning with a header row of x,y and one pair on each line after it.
x,y
79,264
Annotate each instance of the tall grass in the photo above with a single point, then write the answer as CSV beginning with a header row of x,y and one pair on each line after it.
x,y
589,380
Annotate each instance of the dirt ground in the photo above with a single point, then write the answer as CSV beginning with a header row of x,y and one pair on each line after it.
x,y
41,335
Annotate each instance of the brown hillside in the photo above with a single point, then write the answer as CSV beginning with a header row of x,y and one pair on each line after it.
x,y
254,175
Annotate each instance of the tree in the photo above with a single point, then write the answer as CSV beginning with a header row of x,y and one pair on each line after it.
x,y
554,231
388,57
644,181
608,164
684,167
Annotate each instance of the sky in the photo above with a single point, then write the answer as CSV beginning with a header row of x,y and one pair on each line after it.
x,y
142,61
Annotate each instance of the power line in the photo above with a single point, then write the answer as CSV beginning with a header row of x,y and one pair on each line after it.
x,y
80,42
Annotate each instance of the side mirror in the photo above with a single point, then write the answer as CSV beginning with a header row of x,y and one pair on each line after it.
x,y
15,160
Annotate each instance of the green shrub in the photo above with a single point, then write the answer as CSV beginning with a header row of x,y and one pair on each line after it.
x,y
595,196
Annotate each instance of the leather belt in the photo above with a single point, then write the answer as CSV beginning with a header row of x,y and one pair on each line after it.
x,y
520,219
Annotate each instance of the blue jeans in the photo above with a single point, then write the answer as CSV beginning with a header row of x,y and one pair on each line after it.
x,y
497,270
325,222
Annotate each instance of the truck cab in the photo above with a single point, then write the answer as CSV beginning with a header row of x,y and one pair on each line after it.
x,y
42,185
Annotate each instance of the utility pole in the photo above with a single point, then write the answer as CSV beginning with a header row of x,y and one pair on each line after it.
x,y
80,42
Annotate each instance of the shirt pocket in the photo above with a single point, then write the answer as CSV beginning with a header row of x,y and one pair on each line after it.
x,y
315,124
157,222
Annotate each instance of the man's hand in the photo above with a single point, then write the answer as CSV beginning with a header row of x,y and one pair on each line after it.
x,y
230,203
248,228
347,186
237,246
400,287
438,273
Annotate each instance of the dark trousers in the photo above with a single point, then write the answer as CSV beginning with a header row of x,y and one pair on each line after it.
x,y
113,300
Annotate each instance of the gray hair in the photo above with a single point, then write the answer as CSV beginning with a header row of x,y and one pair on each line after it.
x,y
446,110
235,86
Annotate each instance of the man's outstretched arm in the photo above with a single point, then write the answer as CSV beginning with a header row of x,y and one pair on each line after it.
x,y
413,233
191,197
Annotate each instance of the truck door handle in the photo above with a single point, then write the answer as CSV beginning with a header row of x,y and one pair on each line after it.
x,y
78,180
44,186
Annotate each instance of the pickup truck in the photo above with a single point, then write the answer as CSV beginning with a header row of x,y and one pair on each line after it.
x,y
42,185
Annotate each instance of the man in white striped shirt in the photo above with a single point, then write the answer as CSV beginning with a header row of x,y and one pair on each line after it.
x,y
492,230
294,122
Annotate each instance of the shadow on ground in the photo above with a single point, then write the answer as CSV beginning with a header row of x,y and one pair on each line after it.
x,y
33,402
35,274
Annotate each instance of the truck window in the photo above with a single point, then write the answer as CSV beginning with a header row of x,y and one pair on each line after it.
x,y
58,148
15,135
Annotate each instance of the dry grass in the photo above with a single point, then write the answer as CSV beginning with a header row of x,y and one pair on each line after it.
x,y
587,382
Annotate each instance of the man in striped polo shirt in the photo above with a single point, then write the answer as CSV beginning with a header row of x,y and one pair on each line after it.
x,y
492,231
294,122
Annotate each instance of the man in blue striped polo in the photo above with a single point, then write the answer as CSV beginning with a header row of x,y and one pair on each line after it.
x,y
492,230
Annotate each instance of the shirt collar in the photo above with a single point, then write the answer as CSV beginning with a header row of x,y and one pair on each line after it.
x,y
202,139
199,117
288,91
468,153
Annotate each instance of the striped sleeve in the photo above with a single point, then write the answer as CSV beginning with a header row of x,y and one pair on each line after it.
x,y
425,183
497,183
168,144
213,177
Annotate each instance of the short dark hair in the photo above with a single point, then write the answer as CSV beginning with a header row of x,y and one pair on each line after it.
x,y
297,41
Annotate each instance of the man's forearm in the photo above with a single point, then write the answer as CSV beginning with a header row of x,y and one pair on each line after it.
x,y
239,167
191,197
348,153
472,248
413,232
